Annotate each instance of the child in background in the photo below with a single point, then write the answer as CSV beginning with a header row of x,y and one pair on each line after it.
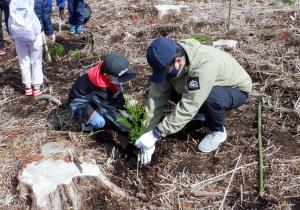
x,y
76,12
28,38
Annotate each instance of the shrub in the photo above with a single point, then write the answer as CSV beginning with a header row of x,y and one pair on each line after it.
x,y
200,37
76,54
289,2
56,51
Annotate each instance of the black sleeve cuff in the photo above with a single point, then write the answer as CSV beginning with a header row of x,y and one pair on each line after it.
x,y
157,133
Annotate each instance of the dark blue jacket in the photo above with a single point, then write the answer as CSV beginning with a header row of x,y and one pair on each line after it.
x,y
42,11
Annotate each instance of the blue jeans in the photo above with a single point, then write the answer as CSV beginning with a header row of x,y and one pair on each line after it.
x,y
219,100
97,121
59,3
76,11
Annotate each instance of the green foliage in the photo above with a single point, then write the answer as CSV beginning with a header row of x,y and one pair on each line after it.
x,y
77,54
56,51
200,37
289,2
137,117
142,14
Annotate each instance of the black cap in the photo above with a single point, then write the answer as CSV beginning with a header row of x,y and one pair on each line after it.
x,y
117,66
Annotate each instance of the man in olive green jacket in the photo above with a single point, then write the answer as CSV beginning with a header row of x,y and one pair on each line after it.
x,y
204,79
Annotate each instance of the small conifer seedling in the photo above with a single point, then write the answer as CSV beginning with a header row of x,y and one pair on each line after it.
x,y
135,121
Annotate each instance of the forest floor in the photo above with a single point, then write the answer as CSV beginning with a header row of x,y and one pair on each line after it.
x,y
268,36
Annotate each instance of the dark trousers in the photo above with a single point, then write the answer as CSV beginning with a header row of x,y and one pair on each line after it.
x,y
76,11
219,100
1,30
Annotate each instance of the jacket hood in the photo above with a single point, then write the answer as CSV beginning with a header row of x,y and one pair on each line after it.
x,y
99,79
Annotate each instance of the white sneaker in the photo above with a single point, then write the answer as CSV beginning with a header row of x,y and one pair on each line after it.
x,y
212,141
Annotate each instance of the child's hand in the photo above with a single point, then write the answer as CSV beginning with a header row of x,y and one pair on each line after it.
x,y
52,38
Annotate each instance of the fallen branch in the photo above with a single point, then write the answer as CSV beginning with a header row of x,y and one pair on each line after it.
x,y
260,151
206,194
198,185
227,190
49,98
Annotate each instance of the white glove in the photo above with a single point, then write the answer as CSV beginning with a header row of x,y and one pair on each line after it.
x,y
146,155
52,38
146,141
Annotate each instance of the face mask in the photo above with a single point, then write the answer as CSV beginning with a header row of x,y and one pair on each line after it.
x,y
173,73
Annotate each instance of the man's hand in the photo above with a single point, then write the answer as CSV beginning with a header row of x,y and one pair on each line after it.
x,y
146,155
146,141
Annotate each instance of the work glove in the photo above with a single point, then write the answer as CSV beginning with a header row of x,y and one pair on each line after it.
x,y
52,38
146,141
146,155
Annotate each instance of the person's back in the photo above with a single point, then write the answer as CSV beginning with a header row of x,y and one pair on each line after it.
x,y
228,72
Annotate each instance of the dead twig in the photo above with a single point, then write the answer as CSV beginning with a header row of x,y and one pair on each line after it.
x,y
227,190
49,98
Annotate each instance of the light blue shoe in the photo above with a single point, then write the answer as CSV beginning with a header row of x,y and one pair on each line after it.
x,y
72,29
79,29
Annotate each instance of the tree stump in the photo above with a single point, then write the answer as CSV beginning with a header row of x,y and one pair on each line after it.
x,y
56,180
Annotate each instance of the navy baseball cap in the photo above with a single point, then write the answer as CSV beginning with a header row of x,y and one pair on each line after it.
x,y
160,53
117,67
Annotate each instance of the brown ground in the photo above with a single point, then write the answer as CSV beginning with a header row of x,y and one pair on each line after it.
x,y
268,47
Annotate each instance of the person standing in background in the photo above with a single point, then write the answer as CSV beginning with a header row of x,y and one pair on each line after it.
x,y
76,19
27,31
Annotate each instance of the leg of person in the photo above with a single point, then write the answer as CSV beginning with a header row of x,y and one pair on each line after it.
x,y
50,5
97,120
219,100
2,50
79,16
22,50
61,6
6,14
71,8
36,60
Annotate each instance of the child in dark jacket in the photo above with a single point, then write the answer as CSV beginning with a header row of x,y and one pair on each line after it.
x,y
30,53
99,89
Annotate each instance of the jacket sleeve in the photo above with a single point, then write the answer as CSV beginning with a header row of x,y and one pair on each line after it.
x,y
191,100
46,18
118,99
157,100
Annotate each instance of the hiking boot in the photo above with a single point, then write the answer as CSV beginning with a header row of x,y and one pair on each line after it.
x,y
72,29
212,140
28,91
79,29
39,89
62,13
2,51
